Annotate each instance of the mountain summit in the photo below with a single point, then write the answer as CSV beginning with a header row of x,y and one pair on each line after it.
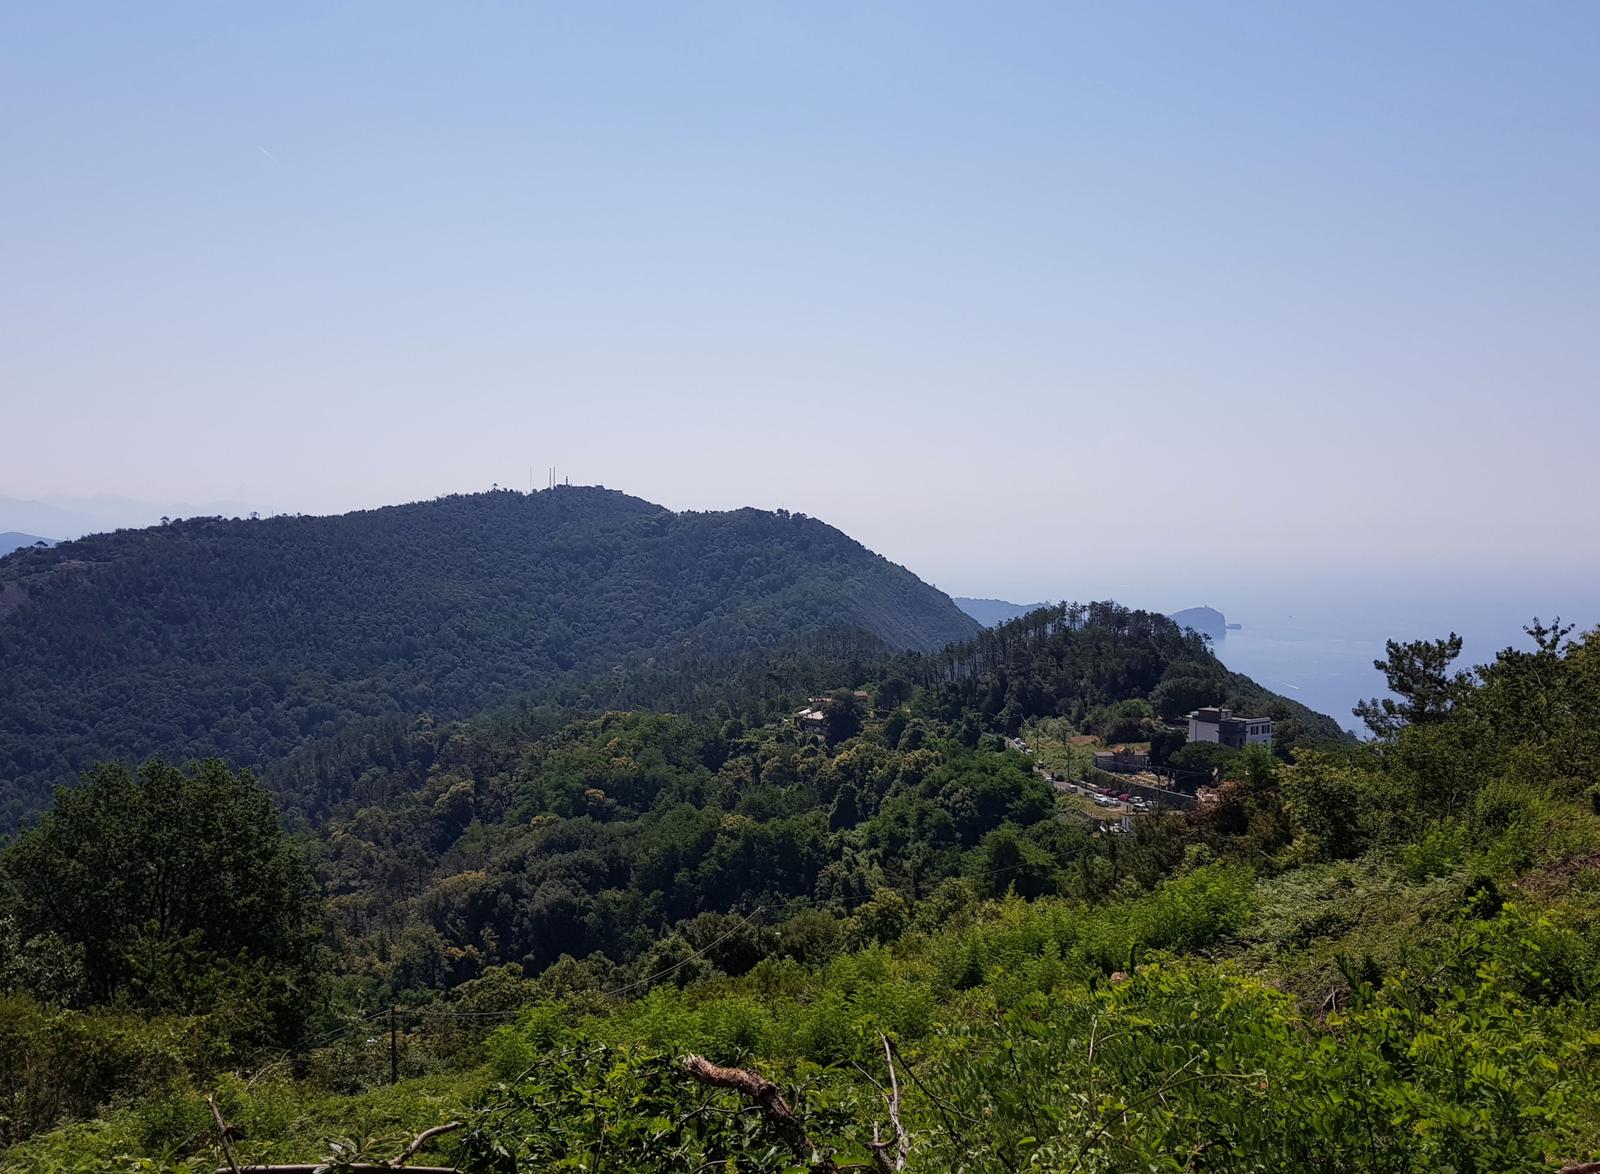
x,y
244,638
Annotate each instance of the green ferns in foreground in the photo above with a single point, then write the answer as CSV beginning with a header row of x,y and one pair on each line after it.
x,y
1480,1053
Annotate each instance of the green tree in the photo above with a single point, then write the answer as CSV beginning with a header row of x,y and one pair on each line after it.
x,y
1164,743
1419,674
1006,859
1325,800
843,717
189,864
1195,761
1255,767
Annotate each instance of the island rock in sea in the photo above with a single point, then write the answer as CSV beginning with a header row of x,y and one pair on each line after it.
x,y
1208,621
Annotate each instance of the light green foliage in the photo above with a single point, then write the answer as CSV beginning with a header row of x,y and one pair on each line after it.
x,y
594,1108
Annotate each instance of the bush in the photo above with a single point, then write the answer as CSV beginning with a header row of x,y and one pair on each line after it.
x,y
57,1065
1441,851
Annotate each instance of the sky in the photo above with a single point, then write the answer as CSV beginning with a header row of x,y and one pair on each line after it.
x,y
1176,302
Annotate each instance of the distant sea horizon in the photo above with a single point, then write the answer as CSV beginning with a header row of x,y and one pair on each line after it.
x,y
1315,642
1326,666
1320,652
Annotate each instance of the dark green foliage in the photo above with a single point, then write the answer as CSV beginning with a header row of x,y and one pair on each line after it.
x,y
843,713
247,638
513,841
1197,762
1419,674
594,838
174,888
1164,744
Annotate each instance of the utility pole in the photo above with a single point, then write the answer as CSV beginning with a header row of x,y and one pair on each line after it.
x,y
394,1049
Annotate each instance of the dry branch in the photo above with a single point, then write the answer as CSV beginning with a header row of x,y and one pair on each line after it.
x,y
224,1134
902,1140
780,1118
421,1140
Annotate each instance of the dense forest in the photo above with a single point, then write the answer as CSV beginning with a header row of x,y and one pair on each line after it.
x,y
247,638
1114,671
729,939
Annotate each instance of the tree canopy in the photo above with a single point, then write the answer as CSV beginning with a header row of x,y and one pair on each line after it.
x,y
158,871
247,638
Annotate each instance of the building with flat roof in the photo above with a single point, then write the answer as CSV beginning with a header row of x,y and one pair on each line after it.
x,y
1216,724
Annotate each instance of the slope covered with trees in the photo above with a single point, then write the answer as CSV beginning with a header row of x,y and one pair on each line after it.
x,y
245,638
1109,670
1081,661
12,540
1365,957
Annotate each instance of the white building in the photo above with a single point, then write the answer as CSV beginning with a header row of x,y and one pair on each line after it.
x,y
1221,726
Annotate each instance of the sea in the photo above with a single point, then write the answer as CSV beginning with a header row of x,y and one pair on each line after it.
x,y
1319,647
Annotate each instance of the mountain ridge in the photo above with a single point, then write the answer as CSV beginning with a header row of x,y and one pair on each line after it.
x,y
246,637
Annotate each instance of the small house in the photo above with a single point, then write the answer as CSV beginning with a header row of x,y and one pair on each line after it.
x,y
813,717
1121,761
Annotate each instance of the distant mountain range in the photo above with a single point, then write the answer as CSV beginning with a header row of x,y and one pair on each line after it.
x,y
990,612
13,540
247,638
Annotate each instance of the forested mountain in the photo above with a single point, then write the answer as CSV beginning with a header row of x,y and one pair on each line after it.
x,y
451,848
1108,669
244,638
1069,659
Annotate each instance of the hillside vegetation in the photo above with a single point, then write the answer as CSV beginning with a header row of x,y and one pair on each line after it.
x,y
246,638
1115,672
1355,957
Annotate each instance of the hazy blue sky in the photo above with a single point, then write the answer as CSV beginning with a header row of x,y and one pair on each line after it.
x,y
1037,299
